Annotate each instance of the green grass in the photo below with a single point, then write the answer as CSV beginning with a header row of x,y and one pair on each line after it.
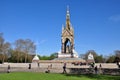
x,y
51,76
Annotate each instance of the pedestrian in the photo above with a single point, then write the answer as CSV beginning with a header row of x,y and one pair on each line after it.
x,y
38,64
96,69
64,68
29,66
119,65
100,66
48,69
100,69
51,66
8,69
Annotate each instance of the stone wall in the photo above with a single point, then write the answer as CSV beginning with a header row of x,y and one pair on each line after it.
x,y
57,67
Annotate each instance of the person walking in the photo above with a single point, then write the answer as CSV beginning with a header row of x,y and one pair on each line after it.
x,y
64,68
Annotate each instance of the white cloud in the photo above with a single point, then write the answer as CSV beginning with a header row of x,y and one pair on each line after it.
x,y
115,18
42,41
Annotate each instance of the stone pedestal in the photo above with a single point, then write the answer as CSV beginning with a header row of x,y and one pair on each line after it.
x,y
68,55
64,55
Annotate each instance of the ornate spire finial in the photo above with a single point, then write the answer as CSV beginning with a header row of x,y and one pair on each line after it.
x,y
68,11
68,19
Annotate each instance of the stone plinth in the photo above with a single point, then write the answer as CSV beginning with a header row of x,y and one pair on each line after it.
x,y
64,55
68,55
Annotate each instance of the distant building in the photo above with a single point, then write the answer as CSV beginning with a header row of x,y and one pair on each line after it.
x,y
90,58
67,40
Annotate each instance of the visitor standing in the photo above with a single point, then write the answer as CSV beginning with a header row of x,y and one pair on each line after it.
x,y
96,69
64,68
29,66
8,69
100,69
100,66
51,66
119,65
38,64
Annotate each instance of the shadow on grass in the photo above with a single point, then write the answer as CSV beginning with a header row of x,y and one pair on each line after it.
x,y
96,76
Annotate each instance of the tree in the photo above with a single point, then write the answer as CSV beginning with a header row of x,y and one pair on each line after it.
x,y
117,56
4,48
44,57
1,46
52,56
14,56
117,60
99,59
111,59
26,46
117,53
92,52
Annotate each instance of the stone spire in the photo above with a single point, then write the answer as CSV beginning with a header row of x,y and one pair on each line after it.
x,y
68,19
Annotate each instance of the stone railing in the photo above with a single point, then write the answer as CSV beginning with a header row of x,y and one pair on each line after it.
x,y
114,71
110,71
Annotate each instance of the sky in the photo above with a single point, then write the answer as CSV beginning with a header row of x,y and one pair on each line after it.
x,y
96,23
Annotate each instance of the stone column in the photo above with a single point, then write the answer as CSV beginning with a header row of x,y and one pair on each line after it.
x,y
62,48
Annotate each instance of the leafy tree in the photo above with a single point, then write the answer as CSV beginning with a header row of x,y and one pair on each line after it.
x,y
117,60
99,59
92,52
117,53
4,48
14,57
111,59
1,47
26,46
117,56
52,56
44,57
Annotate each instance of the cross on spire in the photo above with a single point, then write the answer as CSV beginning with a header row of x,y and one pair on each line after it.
x,y
68,14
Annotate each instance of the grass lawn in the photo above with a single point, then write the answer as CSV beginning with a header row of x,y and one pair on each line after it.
x,y
53,76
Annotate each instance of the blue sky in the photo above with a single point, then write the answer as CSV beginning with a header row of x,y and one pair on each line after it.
x,y
96,23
